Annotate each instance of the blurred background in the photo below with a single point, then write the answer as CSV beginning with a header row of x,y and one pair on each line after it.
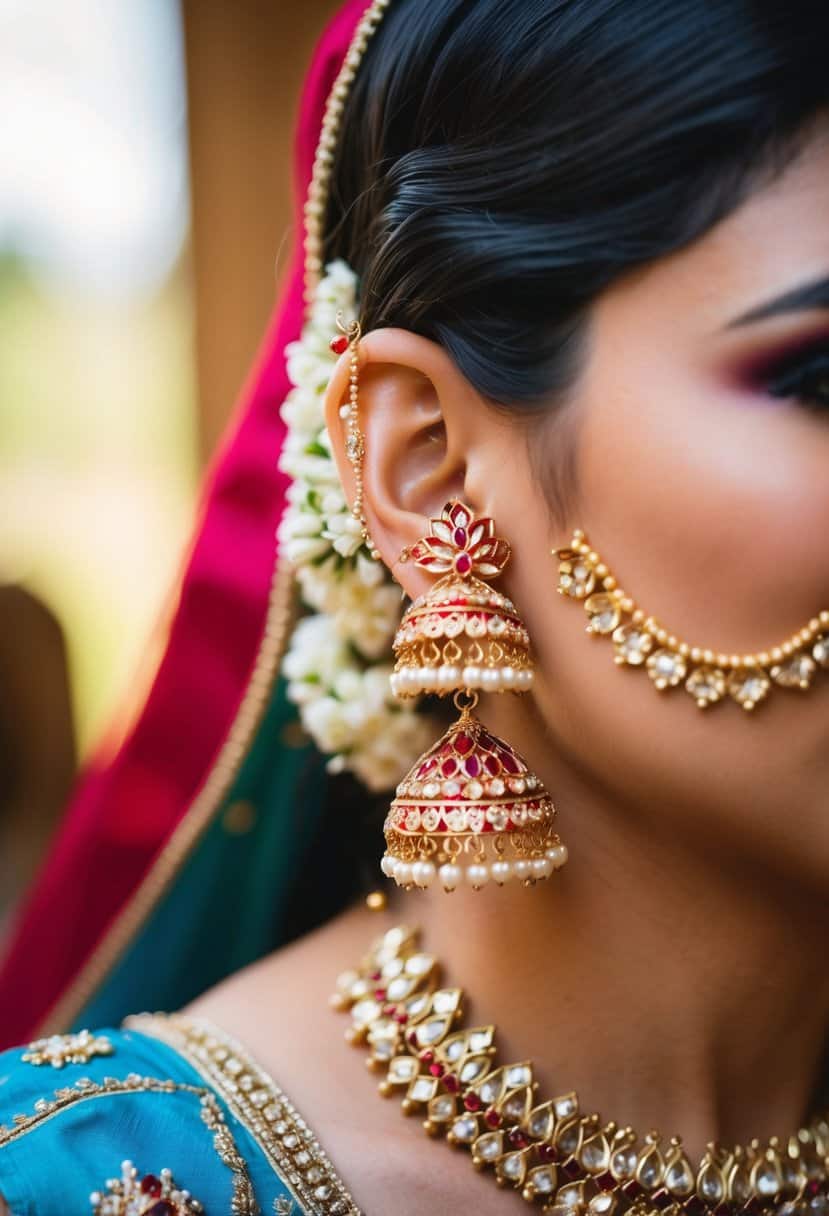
x,y
145,221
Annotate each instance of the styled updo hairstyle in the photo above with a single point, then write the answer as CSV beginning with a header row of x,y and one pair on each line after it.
x,y
501,162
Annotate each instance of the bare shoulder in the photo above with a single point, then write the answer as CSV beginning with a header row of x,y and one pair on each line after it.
x,y
279,1008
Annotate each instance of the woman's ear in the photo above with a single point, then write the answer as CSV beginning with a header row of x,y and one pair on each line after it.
x,y
418,417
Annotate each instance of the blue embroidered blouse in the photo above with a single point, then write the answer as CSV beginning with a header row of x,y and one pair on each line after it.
x,y
167,1116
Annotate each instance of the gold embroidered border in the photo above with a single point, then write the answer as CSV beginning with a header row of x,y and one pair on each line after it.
x,y
244,1200
258,1102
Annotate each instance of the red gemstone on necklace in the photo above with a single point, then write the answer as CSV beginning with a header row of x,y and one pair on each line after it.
x,y
162,1208
338,345
403,1018
694,1206
380,994
437,1069
812,1188
492,1117
472,1101
517,1138
427,1055
548,1154
606,1181
411,1038
463,563
663,1199
571,1168
150,1185
375,976
388,1010
450,1082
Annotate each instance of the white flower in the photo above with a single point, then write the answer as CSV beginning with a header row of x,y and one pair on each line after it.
x,y
338,660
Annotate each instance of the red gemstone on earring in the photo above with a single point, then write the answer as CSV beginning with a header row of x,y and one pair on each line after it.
x,y
459,537
338,345
150,1185
463,563
463,744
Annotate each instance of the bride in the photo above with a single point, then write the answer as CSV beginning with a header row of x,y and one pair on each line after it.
x,y
566,329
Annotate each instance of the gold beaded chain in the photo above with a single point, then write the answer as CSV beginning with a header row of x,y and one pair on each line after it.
x,y
355,444
707,675
571,1163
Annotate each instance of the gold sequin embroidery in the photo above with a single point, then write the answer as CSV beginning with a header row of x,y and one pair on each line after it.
x,y
61,1049
244,1200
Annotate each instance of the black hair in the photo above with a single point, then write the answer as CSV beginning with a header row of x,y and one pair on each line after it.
x,y
501,162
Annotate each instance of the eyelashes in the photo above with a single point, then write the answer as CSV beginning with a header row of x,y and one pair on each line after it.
x,y
803,377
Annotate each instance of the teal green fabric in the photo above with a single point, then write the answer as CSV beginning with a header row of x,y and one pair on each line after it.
x,y
51,1166
227,905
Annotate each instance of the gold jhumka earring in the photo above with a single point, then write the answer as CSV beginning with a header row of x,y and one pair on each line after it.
x,y
469,809
708,676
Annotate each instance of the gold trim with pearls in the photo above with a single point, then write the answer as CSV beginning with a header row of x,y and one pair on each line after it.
x,y
707,675
255,1099
61,1049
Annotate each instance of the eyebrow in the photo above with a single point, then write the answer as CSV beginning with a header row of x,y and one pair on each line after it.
x,y
799,299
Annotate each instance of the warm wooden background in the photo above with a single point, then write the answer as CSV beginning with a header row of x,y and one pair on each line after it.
x,y
245,64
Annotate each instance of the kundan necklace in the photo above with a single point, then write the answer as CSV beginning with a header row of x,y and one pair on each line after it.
x,y
570,1162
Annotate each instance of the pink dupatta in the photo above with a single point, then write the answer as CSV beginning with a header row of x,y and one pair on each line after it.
x,y
112,847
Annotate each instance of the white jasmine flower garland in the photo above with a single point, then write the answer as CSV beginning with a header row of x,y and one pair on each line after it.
x,y
338,662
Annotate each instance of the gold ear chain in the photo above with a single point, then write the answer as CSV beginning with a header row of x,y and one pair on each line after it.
x,y
708,675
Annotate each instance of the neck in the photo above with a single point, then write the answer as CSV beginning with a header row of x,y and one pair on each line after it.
x,y
667,990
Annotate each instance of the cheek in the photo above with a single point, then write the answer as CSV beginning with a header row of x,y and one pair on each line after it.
x,y
711,509
709,502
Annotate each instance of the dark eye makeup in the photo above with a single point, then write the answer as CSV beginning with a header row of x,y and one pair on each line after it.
x,y
802,376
